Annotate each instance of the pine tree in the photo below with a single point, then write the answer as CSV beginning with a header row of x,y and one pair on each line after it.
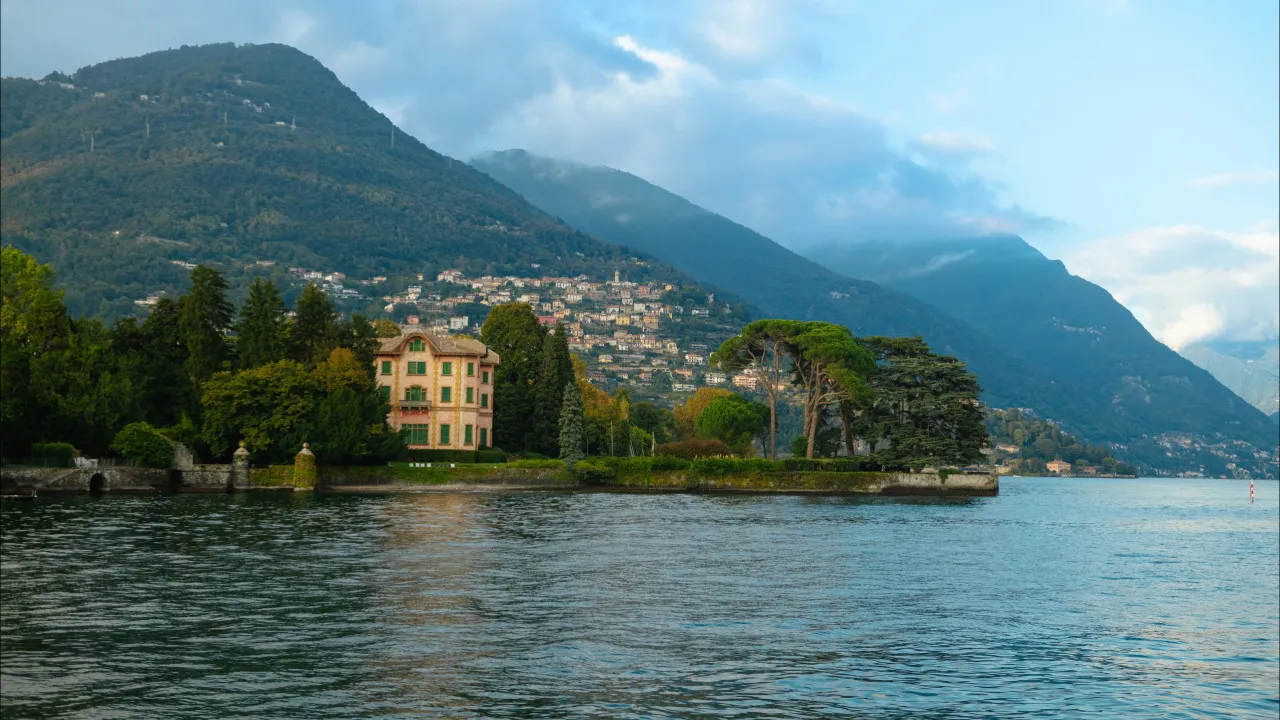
x,y
572,446
312,334
204,315
260,331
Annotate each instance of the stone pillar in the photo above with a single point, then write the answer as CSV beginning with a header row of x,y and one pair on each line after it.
x,y
240,469
304,468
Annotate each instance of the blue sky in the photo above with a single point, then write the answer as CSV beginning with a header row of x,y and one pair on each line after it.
x,y
1138,141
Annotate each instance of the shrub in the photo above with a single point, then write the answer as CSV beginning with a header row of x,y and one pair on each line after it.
x,y
535,464
594,471
457,456
693,449
716,467
491,455
859,463
144,444
55,453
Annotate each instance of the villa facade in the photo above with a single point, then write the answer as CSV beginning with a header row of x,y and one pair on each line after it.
x,y
440,389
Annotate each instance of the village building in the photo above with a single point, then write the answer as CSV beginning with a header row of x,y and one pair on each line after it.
x,y
1058,466
440,389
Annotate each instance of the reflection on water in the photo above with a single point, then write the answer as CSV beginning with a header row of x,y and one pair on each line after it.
x,y
1062,597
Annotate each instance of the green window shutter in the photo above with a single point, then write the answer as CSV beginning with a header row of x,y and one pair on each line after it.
x,y
485,377
446,394
471,369
471,395
386,367
417,345
466,435
444,434
484,401
384,392
484,437
446,368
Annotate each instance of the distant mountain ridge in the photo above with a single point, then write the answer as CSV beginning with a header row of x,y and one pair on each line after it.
x,y
1125,382
1250,370
225,154
625,210
1038,337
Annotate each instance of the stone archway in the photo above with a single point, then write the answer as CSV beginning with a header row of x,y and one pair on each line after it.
x,y
97,483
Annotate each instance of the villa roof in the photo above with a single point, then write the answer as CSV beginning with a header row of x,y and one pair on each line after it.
x,y
440,344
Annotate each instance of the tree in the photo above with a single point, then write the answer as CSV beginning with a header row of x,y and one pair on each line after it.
x,y
829,366
142,443
763,349
312,333
349,427
686,414
513,332
735,420
342,370
555,373
386,328
572,439
925,407
657,421
204,316
360,337
33,323
260,331
263,406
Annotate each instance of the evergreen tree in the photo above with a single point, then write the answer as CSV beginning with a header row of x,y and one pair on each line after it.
x,y
556,372
312,333
571,441
204,316
512,331
261,328
360,337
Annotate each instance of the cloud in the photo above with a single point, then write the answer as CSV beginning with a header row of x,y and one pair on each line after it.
x,y
1189,283
947,142
1259,177
691,96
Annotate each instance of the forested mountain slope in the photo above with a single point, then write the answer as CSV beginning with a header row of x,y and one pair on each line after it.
x,y
1038,337
225,154
1124,383
621,208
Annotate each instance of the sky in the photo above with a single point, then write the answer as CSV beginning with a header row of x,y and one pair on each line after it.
x,y
1136,140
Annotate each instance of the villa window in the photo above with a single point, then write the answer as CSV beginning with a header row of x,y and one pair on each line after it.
x,y
384,392
417,368
466,435
417,434
446,368
484,437
444,434
386,367
417,345
484,400
484,377
471,369
415,393
446,394
471,395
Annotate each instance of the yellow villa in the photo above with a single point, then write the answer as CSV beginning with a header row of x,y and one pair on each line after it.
x,y
440,389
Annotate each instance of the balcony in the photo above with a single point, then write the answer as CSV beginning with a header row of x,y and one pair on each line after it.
x,y
413,404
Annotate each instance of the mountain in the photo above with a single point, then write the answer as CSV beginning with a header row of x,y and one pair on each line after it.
x,y
1250,370
1124,383
1037,337
228,155
623,209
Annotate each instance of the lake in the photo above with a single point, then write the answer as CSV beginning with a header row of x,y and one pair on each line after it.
x,y
1060,597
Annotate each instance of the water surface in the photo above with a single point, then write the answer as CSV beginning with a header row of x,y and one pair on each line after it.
x,y
1113,598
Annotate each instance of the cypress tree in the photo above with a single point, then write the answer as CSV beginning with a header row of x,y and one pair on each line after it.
x,y
556,372
204,315
260,331
512,330
312,334
571,440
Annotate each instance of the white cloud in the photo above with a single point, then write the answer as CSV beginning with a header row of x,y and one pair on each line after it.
x,y
1189,283
293,27
954,143
1258,177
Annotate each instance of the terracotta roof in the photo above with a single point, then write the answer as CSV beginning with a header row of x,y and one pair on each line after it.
x,y
440,344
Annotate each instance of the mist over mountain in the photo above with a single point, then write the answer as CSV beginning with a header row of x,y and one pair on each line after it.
x,y
1250,369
